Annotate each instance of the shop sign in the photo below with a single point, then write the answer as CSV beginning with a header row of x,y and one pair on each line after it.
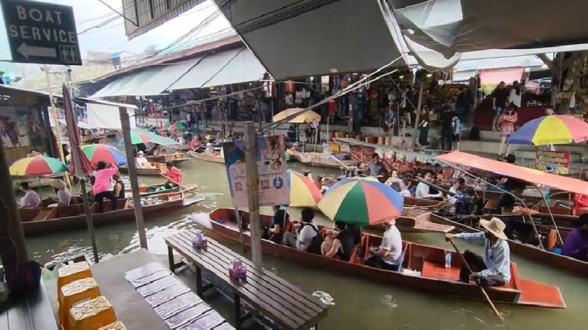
x,y
271,168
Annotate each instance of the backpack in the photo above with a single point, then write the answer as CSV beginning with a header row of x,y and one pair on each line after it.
x,y
475,134
316,242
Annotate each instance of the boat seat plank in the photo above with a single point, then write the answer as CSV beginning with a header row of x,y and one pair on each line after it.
x,y
433,227
437,271
538,294
44,214
264,291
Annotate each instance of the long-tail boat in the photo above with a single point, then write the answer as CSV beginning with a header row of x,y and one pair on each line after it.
x,y
317,160
155,169
422,268
176,158
71,217
214,157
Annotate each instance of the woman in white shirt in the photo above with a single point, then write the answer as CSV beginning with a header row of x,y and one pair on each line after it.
x,y
63,195
141,161
515,94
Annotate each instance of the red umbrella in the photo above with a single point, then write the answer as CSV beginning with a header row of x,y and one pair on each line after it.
x,y
81,164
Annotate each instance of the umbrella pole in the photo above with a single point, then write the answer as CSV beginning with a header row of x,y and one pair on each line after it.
x,y
126,130
89,220
240,224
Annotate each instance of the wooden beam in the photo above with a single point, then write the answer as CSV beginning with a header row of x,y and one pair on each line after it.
x,y
12,244
253,191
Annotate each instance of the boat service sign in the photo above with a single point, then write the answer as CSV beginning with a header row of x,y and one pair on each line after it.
x,y
271,167
39,32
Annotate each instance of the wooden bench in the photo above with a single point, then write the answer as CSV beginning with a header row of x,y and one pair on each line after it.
x,y
267,293
31,313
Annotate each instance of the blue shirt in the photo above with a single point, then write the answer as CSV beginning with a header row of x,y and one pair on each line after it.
x,y
496,257
457,127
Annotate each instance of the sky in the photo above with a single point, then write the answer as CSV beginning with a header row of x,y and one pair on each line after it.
x,y
111,37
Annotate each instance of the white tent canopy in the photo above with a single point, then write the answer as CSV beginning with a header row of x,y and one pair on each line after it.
x,y
103,114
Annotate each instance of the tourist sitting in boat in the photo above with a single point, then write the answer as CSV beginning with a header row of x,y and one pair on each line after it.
x,y
375,167
209,149
119,187
457,200
174,176
280,219
338,242
63,195
393,178
400,187
141,161
101,187
493,268
581,201
307,236
423,190
31,199
576,244
389,254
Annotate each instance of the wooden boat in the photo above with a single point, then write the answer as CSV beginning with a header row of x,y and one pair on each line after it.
x,y
422,267
531,252
89,139
213,158
149,190
316,159
176,158
417,220
63,218
157,169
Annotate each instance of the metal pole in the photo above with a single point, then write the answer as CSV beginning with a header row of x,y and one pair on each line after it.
x,y
56,120
240,224
253,191
126,130
12,244
418,114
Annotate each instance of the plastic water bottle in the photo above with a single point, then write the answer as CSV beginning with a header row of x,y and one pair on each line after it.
x,y
447,259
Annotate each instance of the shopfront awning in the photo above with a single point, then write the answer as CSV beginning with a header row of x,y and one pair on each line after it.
x,y
527,174
244,67
295,38
206,69
495,76
150,81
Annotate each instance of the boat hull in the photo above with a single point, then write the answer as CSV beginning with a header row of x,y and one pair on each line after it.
x,y
78,221
313,159
417,252
214,158
157,169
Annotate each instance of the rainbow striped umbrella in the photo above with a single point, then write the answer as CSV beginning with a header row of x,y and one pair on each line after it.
x,y
303,191
106,153
37,165
361,202
175,126
552,129
141,135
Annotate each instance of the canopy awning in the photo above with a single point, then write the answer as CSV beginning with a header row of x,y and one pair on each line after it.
x,y
103,114
208,67
495,76
295,38
244,67
150,81
527,174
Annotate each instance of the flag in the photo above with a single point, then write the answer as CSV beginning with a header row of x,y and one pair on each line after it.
x,y
81,164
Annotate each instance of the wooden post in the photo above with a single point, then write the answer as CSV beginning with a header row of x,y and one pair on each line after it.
x,y
12,244
126,130
418,114
350,117
253,191
53,112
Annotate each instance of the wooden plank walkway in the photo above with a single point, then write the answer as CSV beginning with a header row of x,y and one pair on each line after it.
x,y
32,313
267,293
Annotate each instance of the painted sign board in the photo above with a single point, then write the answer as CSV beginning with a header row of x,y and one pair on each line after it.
x,y
43,33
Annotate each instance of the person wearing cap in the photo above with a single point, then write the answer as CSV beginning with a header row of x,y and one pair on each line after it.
x,y
63,195
493,268
389,254
576,244
141,161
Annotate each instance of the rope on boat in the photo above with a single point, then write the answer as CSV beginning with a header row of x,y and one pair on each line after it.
x,y
324,297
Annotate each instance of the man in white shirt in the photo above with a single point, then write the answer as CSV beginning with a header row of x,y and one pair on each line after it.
x,y
31,199
389,254
423,189
141,161
306,233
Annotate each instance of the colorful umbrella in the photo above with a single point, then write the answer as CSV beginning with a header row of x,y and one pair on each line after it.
x,y
300,116
361,202
175,126
303,192
141,135
552,129
37,165
106,153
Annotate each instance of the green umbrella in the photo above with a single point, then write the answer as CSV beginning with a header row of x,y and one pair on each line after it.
x,y
141,135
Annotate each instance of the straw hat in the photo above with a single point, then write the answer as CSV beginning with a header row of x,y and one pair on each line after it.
x,y
494,226
140,153
57,183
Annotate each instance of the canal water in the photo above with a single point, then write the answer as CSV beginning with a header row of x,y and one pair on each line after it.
x,y
359,303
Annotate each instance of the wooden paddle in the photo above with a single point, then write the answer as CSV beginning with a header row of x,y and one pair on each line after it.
x,y
186,189
477,281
